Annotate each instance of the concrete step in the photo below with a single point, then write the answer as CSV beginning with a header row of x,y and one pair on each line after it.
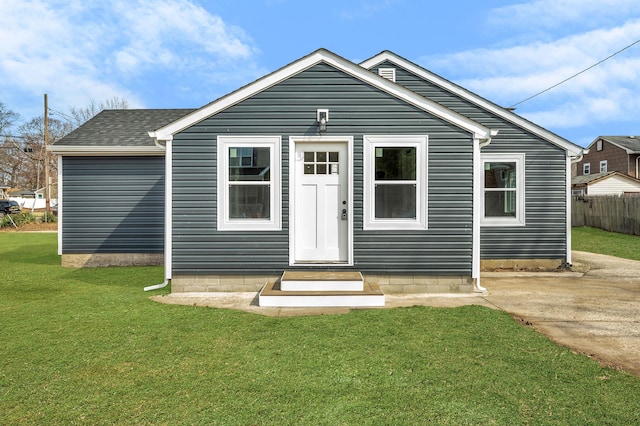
x,y
322,281
272,295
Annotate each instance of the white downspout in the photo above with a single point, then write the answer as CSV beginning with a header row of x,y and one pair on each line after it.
x,y
168,182
477,196
637,174
568,209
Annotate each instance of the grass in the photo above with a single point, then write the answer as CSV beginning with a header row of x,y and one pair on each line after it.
x,y
596,240
87,346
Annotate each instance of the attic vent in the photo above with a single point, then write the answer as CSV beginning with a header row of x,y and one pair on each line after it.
x,y
388,73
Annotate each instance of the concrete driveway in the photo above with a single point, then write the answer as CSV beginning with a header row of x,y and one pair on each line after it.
x,y
594,310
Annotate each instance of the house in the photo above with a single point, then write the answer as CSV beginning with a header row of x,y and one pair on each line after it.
x,y
607,183
382,169
612,154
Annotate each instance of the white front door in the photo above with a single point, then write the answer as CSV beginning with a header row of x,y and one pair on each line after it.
x,y
321,210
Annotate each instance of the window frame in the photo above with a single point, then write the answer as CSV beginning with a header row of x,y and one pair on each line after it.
x,y
370,143
606,166
224,222
599,145
519,219
586,168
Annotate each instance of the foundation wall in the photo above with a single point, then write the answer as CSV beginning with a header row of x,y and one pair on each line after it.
x,y
533,265
111,259
388,283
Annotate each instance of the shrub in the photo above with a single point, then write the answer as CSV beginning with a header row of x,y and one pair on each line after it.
x,y
19,219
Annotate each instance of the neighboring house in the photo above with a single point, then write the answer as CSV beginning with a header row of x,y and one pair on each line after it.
x,y
382,168
4,192
612,154
608,183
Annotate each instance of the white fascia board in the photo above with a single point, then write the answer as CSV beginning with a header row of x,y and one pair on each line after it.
x,y
104,150
479,131
572,149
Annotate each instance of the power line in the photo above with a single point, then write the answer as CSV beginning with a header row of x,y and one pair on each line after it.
x,y
576,74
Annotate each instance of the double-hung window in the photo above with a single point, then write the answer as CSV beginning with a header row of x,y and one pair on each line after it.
x,y
503,201
395,182
249,194
603,166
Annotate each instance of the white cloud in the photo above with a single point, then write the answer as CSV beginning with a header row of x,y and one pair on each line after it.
x,y
555,13
508,75
78,50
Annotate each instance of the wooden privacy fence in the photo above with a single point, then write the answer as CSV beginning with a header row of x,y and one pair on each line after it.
x,y
608,212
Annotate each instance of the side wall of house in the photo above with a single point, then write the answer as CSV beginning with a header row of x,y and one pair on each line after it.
x,y
544,236
113,206
617,159
356,109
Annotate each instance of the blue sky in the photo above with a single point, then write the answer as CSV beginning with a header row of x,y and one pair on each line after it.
x,y
186,53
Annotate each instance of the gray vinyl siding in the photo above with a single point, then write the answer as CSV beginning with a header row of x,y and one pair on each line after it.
x,y
113,205
356,109
544,236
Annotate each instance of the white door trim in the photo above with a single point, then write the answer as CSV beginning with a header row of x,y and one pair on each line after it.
x,y
293,140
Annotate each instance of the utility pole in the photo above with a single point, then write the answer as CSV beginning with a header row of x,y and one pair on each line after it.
x,y
46,160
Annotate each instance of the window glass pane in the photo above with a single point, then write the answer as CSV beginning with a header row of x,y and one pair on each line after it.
x,y
395,163
249,164
395,201
500,204
309,169
500,175
309,157
321,157
333,157
321,169
249,201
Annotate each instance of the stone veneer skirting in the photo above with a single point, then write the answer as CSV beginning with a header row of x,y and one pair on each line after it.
x,y
388,283
111,259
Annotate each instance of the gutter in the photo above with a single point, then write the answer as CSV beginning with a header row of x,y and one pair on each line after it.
x,y
478,176
167,219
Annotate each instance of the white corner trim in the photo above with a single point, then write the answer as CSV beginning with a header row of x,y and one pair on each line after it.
x,y
322,55
168,211
60,207
568,208
572,148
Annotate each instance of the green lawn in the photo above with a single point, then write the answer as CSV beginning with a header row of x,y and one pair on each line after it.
x,y
88,347
596,240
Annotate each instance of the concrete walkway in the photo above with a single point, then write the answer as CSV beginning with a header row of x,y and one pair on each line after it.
x,y
594,311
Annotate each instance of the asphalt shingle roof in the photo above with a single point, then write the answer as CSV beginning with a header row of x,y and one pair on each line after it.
x,y
122,127
631,143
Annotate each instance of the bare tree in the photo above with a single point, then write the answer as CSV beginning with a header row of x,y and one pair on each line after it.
x,y
8,147
79,116
32,134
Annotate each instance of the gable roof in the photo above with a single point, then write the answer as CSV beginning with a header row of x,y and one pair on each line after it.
x,y
123,131
631,144
323,56
573,149
596,177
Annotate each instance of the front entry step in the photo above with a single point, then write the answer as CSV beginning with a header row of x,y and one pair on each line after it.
x,y
322,281
369,295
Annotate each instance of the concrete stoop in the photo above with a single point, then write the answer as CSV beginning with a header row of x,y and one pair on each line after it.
x,y
321,289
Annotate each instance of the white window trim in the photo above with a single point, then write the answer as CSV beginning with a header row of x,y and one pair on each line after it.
x,y
603,166
586,168
274,223
519,219
371,142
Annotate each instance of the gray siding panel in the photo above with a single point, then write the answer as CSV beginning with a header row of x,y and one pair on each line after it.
x,y
113,205
356,109
544,235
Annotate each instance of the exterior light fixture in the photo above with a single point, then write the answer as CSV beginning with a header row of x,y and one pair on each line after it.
x,y
322,115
